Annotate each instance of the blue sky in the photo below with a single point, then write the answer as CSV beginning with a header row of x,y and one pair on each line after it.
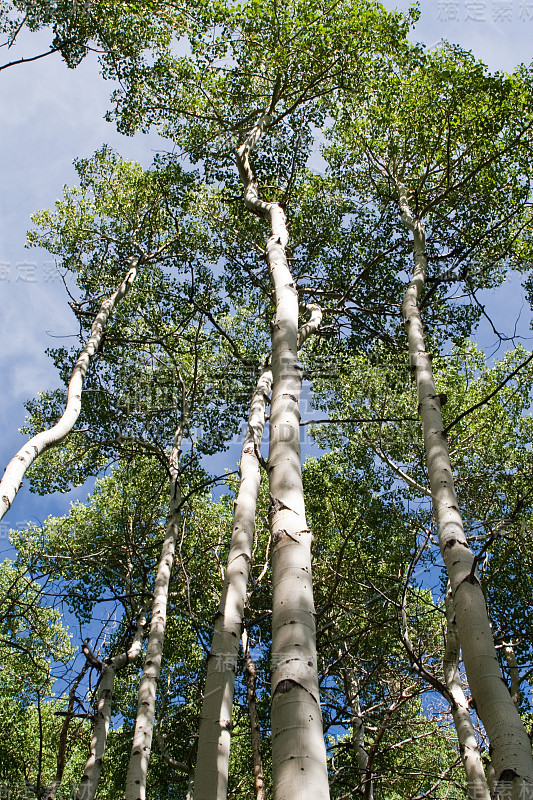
x,y
52,115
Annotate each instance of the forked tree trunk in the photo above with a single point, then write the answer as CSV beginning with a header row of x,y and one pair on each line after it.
x,y
211,780
511,747
93,768
21,461
476,781
144,724
298,749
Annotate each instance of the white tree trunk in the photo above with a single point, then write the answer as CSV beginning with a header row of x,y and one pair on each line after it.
x,y
351,689
298,749
144,724
477,786
512,759
211,777
50,792
93,768
255,730
21,461
509,654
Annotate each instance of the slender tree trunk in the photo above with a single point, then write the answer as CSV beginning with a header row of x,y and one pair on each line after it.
x,y
93,768
211,778
144,725
255,728
509,655
179,766
51,790
511,748
21,461
298,750
477,786
351,689
491,776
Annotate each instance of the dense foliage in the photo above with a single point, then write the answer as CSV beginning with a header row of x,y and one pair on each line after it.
x,y
184,349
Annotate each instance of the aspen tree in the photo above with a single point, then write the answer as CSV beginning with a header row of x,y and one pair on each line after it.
x,y
455,136
115,210
313,73
298,746
351,688
52,790
17,467
161,344
255,727
477,786
510,657
298,750
511,747
214,734
109,668
144,724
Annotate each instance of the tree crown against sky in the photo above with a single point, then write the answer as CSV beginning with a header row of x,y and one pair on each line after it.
x,y
198,317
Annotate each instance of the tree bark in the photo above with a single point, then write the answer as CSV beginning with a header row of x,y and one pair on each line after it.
x,y
351,689
255,728
21,461
298,749
509,655
510,743
211,778
93,768
212,765
144,724
477,786
51,791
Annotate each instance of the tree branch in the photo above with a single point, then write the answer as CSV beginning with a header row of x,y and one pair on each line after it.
x,y
490,396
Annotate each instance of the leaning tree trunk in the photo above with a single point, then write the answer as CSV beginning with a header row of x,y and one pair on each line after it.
x,y
109,668
212,765
511,747
476,781
298,750
144,723
21,461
